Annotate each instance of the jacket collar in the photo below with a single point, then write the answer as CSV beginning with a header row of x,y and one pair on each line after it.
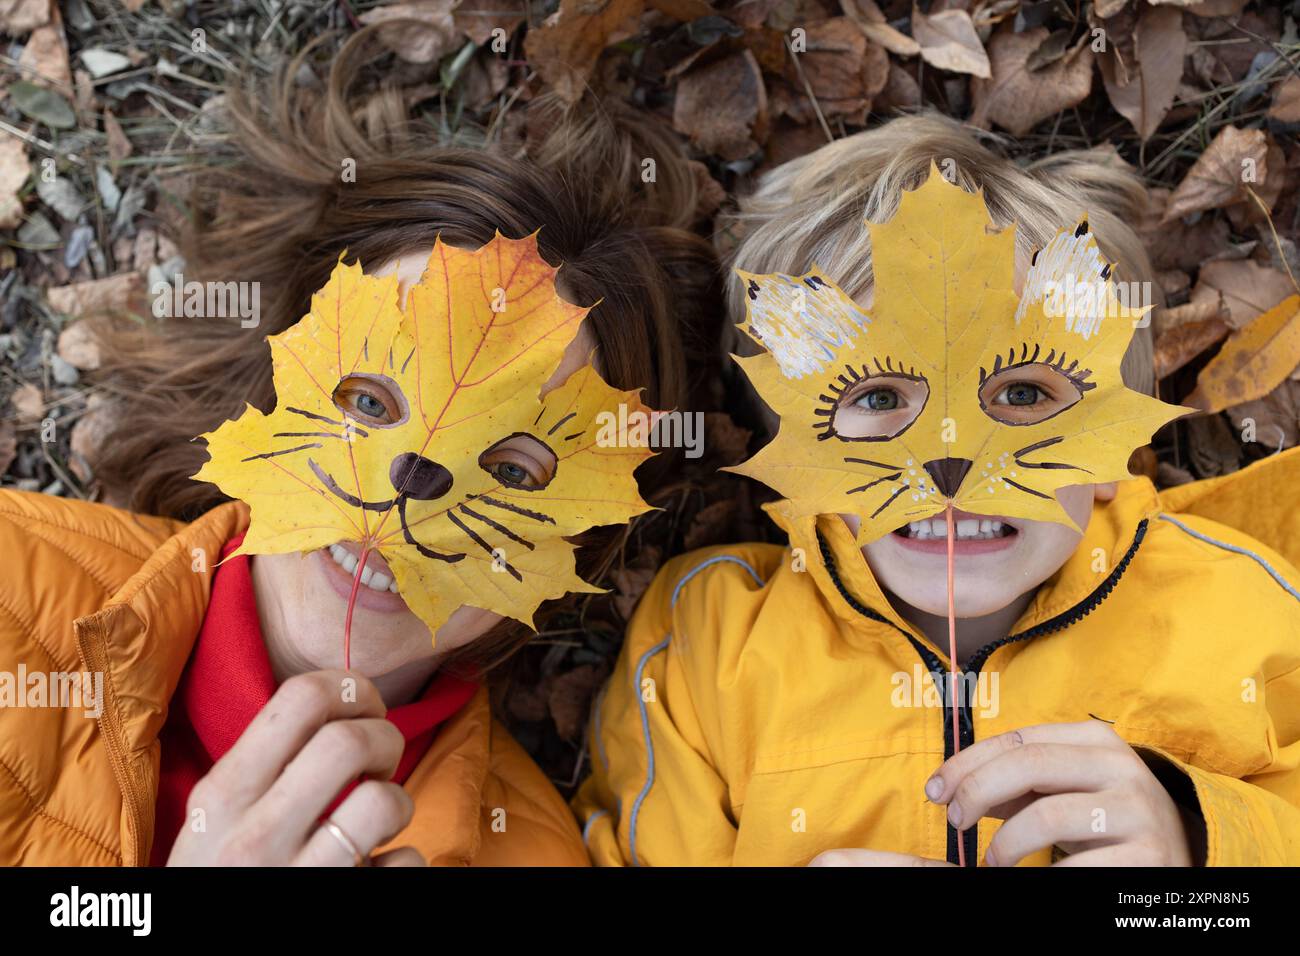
x,y
1114,528
141,640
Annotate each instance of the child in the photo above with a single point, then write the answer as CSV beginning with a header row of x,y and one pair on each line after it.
x,y
215,693
1130,695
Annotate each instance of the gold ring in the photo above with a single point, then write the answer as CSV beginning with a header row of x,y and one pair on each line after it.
x,y
334,830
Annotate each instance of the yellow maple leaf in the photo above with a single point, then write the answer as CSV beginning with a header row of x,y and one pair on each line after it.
x,y
1252,362
464,360
947,330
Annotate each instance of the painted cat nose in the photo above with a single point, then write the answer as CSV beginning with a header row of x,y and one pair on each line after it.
x,y
948,473
418,478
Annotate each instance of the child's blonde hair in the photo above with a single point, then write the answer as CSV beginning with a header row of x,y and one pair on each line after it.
x,y
812,210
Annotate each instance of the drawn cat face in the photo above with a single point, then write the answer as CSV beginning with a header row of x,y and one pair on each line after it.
x,y
420,433
952,387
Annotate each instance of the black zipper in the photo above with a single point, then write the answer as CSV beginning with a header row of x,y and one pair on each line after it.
x,y
965,722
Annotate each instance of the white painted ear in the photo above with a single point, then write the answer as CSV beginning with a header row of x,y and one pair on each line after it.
x,y
1070,276
802,320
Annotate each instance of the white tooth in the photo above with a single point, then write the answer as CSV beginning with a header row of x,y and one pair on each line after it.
x,y
350,563
939,528
995,527
986,526
914,528
968,527
379,581
337,553
393,587
366,575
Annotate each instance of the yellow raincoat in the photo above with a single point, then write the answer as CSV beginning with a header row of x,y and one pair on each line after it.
x,y
760,713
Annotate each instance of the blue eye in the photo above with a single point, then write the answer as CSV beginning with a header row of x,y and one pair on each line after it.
x,y
511,473
369,405
1021,393
879,400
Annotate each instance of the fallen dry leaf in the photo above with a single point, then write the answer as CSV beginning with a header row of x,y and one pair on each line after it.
x,y
478,18
1186,340
1178,245
722,107
79,347
44,59
1286,101
119,146
1215,179
1142,87
1016,98
1213,446
565,48
901,92
569,698
948,41
841,67
1253,362
432,36
1274,419
22,16
114,293
14,170
1243,288
872,22
28,403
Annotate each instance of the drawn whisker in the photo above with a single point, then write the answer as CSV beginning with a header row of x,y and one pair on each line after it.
x,y
870,484
410,538
1045,443
873,464
507,506
498,527
474,536
312,415
890,500
305,435
353,500
573,436
1030,491
282,451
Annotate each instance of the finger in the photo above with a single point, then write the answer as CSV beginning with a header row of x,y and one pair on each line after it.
x,y
340,752
941,786
1117,854
1068,818
299,707
371,815
1032,769
872,858
402,856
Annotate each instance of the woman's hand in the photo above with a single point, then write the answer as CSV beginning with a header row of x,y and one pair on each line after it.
x,y
261,802
1076,786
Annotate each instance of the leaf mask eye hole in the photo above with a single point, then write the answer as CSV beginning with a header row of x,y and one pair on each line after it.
x,y
1028,394
374,400
879,407
520,461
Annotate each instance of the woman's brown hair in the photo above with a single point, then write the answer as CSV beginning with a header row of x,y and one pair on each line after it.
x,y
275,209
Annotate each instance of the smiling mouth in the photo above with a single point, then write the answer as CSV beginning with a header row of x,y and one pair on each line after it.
x,y
400,501
973,528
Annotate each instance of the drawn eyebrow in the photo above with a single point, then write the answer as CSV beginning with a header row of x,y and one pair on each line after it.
x,y
874,464
1079,378
313,434
561,422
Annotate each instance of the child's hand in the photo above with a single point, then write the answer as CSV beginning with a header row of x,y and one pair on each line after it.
x,y
1076,786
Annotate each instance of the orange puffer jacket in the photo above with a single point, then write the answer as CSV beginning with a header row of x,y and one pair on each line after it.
x,y
89,588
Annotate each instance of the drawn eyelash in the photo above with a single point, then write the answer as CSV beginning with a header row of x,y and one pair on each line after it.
x,y
849,379
1075,374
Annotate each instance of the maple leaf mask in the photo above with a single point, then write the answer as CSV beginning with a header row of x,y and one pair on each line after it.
x,y
959,352
461,364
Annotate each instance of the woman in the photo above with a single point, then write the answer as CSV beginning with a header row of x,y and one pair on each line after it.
x,y
221,735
